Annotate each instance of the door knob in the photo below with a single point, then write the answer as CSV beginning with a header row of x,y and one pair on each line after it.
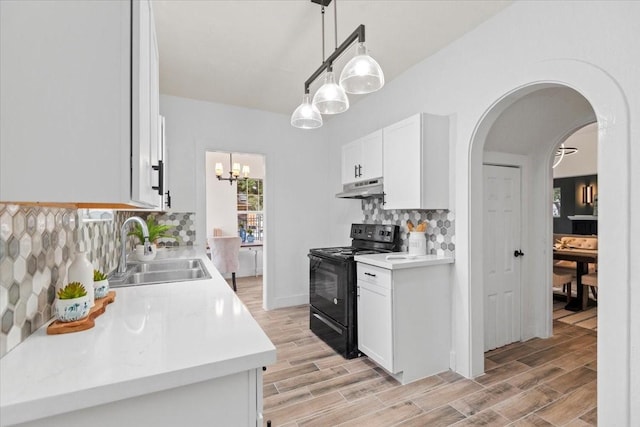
x,y
518,253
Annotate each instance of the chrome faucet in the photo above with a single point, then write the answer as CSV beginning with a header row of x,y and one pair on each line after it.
x,y
122,265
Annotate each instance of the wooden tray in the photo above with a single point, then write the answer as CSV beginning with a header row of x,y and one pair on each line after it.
x,y
57,327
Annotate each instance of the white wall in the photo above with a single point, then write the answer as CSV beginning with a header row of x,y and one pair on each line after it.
x,y
466,79
296,198
220,198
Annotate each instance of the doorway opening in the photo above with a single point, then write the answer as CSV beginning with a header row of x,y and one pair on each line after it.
x,y
235,206
575,228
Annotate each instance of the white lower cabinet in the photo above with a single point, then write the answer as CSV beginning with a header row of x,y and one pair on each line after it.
x,y
404,318
232,400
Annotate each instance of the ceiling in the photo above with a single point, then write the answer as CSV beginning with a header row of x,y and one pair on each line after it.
x,y
258,53
535,120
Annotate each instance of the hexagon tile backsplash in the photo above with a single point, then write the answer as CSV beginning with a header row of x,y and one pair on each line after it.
x,y
441,238
37,245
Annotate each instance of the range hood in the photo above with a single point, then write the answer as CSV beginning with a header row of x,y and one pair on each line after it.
x,y
362,189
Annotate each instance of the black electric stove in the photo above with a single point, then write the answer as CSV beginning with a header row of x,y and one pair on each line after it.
x,y
332,284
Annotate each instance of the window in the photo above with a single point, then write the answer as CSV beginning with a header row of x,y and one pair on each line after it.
x,y
250,202
556,202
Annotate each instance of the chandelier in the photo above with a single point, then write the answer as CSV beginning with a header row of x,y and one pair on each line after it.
x,y
361,75
561,152
234,171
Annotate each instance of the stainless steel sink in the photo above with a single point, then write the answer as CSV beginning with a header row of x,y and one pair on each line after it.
x,y
167,265
153,272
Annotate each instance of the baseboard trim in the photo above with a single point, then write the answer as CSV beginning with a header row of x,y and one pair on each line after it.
x,y
289,301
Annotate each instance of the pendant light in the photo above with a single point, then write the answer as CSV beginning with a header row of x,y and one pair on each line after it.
x,y
332,98
362,74
306,116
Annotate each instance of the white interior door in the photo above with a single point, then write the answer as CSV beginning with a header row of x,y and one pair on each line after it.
x,y
501,255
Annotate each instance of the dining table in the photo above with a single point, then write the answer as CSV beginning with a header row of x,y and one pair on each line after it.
x,y
582,258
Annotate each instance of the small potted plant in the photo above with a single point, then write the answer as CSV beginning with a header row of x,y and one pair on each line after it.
x,y
156,231
72,303
100,284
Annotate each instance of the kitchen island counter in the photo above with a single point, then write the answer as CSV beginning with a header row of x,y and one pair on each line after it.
x,y
152,339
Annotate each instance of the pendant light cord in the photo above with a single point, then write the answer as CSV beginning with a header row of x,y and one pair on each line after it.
x,y
335,23
322,12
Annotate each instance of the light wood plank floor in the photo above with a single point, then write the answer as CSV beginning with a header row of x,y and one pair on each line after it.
x,y
539,382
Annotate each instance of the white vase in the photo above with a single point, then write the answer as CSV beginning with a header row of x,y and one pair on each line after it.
x,y
81,270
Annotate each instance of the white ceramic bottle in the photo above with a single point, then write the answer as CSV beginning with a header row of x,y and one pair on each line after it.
x,y
81,270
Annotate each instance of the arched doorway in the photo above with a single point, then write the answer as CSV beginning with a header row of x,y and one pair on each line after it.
x,y
614,326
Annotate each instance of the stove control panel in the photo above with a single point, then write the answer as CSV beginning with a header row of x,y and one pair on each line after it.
x,y
375,232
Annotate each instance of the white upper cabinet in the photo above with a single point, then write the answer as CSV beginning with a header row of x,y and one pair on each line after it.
x,y
76,112
362,158
416,163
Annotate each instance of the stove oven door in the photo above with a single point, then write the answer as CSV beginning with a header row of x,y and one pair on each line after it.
x,y
329,287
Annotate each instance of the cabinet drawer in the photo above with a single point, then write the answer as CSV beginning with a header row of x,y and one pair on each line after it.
x,y
376,275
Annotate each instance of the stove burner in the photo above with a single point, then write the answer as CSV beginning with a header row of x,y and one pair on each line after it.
x,y
346,252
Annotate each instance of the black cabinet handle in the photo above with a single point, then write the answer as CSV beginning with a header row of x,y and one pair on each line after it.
x,y
355,171
369,274
359,170
160,168
167,201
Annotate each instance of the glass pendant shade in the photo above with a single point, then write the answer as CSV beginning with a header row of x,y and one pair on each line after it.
x,y
331,98
306,116
362,74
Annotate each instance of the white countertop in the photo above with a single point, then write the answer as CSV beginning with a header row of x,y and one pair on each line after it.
x,y
152,338
409,261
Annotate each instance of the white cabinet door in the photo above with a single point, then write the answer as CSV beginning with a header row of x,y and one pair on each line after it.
x,y
375,314
144,143
350,159
156,144
375,324
371,157
416,163
65,125
362,158
402,150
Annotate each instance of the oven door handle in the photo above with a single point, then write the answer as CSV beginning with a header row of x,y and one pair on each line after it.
x,y
326,322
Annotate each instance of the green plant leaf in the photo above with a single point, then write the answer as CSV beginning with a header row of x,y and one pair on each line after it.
x,y
99,276
72,290
156,231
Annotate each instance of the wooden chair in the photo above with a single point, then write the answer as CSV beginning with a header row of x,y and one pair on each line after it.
x,y
562,278
590,280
